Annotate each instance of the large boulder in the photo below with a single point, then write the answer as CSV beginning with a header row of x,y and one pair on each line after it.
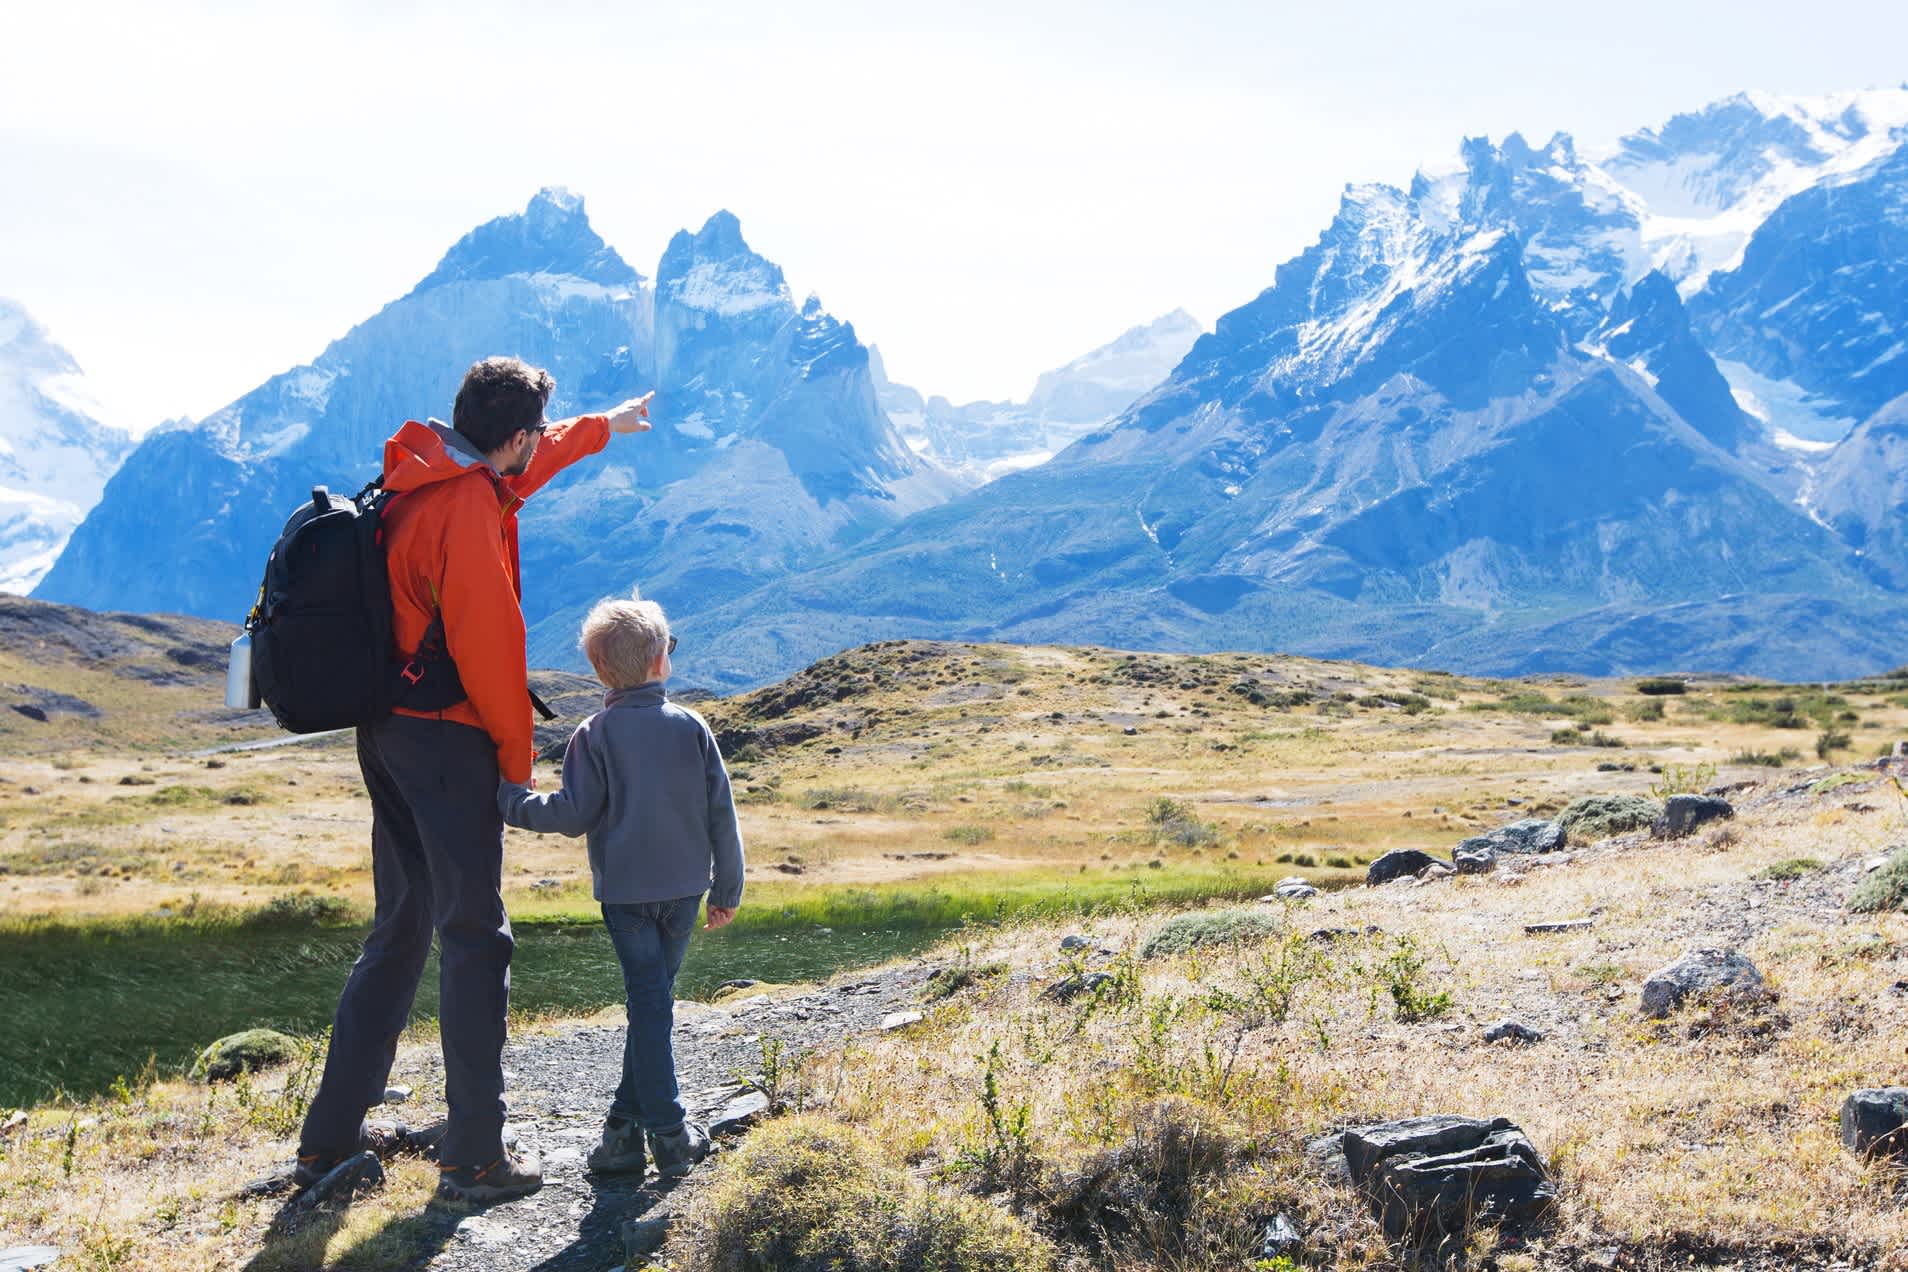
x,y
1684,813
1873,1120
245,1052
1532,834
1434,1177
1701,972
1398,864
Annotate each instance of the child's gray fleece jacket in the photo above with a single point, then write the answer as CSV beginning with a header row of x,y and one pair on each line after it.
x,y
644,780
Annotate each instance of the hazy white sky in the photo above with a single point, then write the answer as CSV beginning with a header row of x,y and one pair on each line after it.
x,y
200,194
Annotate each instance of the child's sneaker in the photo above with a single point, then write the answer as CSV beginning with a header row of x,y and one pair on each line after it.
x,y
677,1151
508,1176
620,1151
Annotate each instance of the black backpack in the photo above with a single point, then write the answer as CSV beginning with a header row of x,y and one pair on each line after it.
x,y
322,650
323,653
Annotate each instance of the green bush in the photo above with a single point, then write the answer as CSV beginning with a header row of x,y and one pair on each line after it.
x,y
807,1194
1791,868
1830,741
1175,822
1885,889
1598,816
968,834
1660,685
246,1052
1183,932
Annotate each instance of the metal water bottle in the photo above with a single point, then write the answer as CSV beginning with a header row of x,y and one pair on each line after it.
x,y
241,691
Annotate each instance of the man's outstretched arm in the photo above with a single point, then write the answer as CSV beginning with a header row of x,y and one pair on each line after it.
x,y
569,440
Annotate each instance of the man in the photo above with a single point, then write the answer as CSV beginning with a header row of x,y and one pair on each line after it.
x,y
450,535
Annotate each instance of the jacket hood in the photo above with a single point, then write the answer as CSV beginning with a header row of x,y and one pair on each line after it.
x,y
419,455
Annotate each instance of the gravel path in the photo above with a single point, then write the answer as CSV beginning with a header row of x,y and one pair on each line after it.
x,y
560,1087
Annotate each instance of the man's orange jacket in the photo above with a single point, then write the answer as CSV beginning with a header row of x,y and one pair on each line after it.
x,y
450,543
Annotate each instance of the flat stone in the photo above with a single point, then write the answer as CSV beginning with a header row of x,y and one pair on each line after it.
x,y
1873,1120
484,1231
642,1238
1400,863
1294,888
1684,813
564,1157
20,1258
1431,1177
1068,944
900,1019
1700,972
1512,1031
396,1094
739,1114
1552,926
1530,835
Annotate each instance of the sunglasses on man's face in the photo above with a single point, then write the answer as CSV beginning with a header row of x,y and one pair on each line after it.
x,y
672,645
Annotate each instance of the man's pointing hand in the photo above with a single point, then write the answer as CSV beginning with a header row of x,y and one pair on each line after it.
x,y
632,416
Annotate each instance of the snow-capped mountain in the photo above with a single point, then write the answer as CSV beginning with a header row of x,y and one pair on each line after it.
x,y
55,456
1480,423
982,440
769,448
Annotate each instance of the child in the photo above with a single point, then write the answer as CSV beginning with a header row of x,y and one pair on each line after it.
x,y
643,779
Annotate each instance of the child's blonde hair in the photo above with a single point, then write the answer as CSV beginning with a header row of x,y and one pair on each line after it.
x,y
623,639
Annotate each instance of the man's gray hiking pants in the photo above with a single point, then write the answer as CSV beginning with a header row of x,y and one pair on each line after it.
x,y
437,864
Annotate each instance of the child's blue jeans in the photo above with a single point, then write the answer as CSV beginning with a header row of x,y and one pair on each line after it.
x,y
650,939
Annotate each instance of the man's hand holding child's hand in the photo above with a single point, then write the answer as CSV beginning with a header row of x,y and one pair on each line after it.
x,y
719,916
632,416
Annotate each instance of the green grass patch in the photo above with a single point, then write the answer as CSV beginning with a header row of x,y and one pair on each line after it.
x,y
1790,868
1884,889
968,834
1183,932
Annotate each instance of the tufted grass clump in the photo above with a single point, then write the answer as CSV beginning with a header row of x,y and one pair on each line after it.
x,y
1598,816
1173,821
1210,927
1885,889
808,1193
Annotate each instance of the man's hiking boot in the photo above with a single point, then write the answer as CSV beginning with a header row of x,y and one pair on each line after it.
x,y
508,1176
676,1152
382,1138
620,1151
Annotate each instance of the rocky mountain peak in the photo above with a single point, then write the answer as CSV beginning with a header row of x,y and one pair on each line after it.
x,y
715,270
552,235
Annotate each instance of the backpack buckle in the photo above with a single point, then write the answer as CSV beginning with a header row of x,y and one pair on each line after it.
x,y
412,672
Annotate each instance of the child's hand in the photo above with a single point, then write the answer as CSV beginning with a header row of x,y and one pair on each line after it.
x,y
719,916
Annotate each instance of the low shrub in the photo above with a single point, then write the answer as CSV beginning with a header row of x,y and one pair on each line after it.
x,y
1175,822
1790,868
1884,889
808,1194
968,834
1599,816
1198,928
1660,685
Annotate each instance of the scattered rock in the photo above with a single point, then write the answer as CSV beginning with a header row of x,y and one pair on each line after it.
x,y
1873,1121
1068,944
1700,972
20,1258
1512,1031
1129,731
1400,863
1478,861
1071,987
1558,925
1431,1177
15,1120
1282,1240
1684,813
899,1020
1532,834
396,1094
1293,888
249,1050
30,711
354,1175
